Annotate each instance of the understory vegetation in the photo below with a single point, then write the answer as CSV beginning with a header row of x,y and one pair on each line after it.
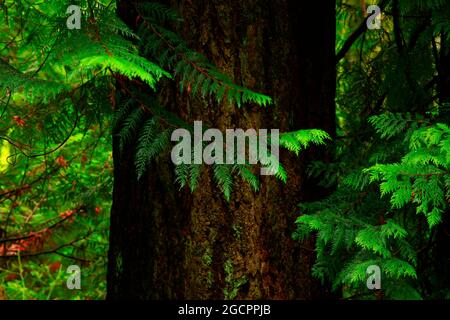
x,y
65,94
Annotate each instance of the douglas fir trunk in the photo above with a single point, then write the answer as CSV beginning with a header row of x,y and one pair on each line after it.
x,y
171,244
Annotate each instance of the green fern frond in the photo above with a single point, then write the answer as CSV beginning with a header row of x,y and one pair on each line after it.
x,y
150,147
145,150
195,71
194,175
248,176
300,140
223,177
130,127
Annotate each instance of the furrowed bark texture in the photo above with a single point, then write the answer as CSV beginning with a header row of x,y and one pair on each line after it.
x,y
171,244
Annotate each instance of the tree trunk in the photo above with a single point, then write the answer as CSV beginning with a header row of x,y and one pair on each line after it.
x,y
171,244
441,280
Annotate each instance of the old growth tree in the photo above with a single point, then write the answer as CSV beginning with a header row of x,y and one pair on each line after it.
x,y
171,243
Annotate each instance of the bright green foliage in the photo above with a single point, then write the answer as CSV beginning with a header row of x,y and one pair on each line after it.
x,y
58,96
302,139
61,204
423,174
133,117
222,174
197,75
12,80
151,142
247,175
391,171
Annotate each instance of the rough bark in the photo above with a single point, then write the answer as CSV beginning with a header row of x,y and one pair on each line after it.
x,y
171,244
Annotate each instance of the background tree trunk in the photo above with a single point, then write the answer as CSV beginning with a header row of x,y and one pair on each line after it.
x,y
167,243
441,281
